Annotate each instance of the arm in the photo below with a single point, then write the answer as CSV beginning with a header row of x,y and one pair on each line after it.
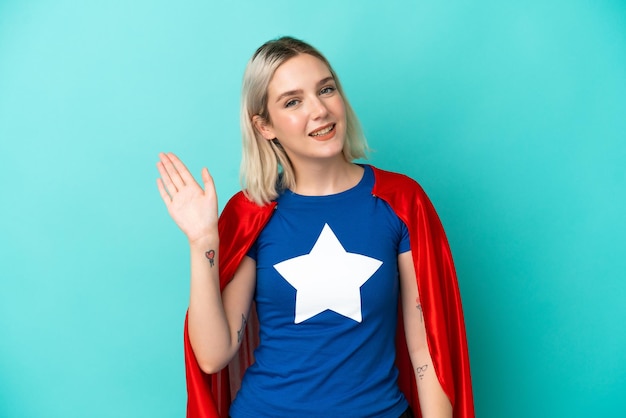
x,y
433,400
216,319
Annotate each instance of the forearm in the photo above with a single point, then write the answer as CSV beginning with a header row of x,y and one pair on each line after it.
x,y
209,330
434,403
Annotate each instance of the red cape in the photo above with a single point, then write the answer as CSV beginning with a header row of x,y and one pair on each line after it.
x,y
209,396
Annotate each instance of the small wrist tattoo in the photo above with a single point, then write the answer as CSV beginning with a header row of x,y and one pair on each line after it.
x,y
421,370
419,307
210,255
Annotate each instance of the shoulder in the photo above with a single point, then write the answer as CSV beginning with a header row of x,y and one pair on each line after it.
x,y
239,204
241,219
406,197
391,184
240,207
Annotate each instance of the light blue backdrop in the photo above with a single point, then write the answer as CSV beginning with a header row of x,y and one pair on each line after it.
x,y
512,115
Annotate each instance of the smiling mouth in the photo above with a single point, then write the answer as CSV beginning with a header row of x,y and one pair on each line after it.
x,y
323,131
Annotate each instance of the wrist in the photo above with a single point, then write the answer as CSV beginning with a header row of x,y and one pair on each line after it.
x,y
205,241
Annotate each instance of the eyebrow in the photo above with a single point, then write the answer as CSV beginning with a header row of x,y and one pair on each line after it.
x,y
299,91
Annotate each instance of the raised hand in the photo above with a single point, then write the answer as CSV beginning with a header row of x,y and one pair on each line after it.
x,y
193,208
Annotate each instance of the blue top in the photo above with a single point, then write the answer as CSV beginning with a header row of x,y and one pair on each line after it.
x,y
327,299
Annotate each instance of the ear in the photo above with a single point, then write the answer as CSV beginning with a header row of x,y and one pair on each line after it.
x,y
264,128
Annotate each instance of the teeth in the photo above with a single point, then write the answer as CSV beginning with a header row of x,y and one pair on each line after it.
x,y
323,131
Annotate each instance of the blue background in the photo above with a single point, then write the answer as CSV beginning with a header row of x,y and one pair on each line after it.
x,y
512,115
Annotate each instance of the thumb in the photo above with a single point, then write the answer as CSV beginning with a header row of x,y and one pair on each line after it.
x,y
206,178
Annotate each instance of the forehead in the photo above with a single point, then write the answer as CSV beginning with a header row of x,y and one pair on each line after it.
x,y
298,73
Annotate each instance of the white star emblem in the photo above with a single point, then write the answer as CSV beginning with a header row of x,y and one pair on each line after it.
x,y
328,278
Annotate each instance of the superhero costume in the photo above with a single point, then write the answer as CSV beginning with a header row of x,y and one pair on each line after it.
x,y
327,293
209,396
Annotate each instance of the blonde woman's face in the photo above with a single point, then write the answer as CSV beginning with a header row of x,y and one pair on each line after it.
x,y
307,113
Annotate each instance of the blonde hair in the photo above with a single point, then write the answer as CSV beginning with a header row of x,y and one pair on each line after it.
x,y
265,167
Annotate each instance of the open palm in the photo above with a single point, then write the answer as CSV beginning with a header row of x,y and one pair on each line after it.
x,y
193,208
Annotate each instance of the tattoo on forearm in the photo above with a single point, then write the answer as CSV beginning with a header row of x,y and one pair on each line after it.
x,y
419,308
210,255
243,327
421,370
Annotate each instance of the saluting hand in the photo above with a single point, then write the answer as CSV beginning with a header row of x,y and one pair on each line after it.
x,y
193,208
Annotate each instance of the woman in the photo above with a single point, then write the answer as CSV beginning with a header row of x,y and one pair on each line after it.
x,y
316,255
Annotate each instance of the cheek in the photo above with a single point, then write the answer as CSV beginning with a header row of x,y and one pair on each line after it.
x,y
339,108
291,122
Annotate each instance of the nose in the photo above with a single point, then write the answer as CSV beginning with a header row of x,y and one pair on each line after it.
x,y
318,108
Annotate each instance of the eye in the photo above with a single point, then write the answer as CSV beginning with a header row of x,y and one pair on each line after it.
x,y
327,90
292,102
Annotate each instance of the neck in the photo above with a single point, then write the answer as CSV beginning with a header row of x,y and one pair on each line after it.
x,y
325,179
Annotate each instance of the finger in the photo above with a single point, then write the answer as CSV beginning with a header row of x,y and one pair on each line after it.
x,y
171,170
206,176
163,192
207,179
166,179
181,168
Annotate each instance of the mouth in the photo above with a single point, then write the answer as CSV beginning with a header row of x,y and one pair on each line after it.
x,y
323,131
